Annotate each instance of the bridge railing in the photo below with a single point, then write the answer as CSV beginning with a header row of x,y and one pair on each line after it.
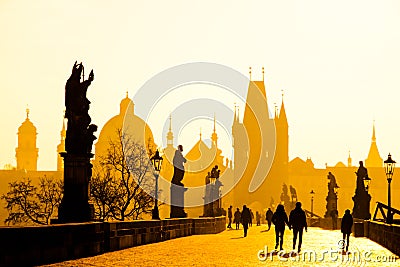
x,y
387,235
37,245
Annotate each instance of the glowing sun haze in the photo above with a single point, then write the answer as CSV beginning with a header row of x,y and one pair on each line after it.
x,y
338,63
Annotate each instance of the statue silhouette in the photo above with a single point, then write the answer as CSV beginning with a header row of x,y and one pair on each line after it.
x,y
79,137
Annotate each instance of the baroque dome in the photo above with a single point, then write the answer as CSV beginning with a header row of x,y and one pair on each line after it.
x,y
131,125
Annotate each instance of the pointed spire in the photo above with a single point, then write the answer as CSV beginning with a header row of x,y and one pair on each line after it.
x,y
170,135
349,161
263,73
282,113
373,132
214,123
214,136
250,73
373,159
63,131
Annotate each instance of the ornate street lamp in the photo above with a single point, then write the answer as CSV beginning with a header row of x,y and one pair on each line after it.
x,y
312,202
389,170
366,181
156,160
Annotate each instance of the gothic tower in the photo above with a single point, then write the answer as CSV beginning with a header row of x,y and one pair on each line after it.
x,y
27,153
256,171
61,148
282,139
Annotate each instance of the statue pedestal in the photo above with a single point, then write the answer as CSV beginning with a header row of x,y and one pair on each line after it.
x,y
75,205
361,209
177,201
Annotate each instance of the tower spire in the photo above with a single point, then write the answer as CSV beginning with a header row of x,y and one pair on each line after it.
x,y
373,132
170,122
63,131
170,135
282,112
214,136
27,112
214,123
373,159
349,160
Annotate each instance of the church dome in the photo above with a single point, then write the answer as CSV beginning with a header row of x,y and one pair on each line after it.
x,y
131,125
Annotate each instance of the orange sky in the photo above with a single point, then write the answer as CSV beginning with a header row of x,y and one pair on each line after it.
x,y
337,62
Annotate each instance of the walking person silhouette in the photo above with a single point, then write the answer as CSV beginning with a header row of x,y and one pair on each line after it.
x,y
347,223
279,219
230,217
236,219
268,217
297,221
246,219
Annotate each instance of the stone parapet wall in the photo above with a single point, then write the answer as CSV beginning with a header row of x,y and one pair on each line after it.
x,y
387,235
37,245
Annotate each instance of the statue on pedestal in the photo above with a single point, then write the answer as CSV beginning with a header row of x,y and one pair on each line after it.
x,y
212,200
331,200
79,140
177,188
362,198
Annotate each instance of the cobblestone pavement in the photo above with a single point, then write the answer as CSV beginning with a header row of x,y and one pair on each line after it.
x,y
230,249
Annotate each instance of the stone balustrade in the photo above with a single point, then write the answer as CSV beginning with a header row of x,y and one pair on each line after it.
x,y
35,245
387,235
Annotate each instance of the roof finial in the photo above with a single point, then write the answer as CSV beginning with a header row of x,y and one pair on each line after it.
x,y
263,73
214,122
170,122
250,73
200,133
27,112
126,94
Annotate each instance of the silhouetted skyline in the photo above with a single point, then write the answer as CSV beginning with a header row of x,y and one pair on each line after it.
x,y
336,62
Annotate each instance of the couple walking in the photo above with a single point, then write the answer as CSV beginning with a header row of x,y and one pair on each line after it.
x,y
243,217
297,221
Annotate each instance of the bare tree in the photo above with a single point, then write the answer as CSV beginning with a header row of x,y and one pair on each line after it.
x,y
27,203
126,171
104,193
